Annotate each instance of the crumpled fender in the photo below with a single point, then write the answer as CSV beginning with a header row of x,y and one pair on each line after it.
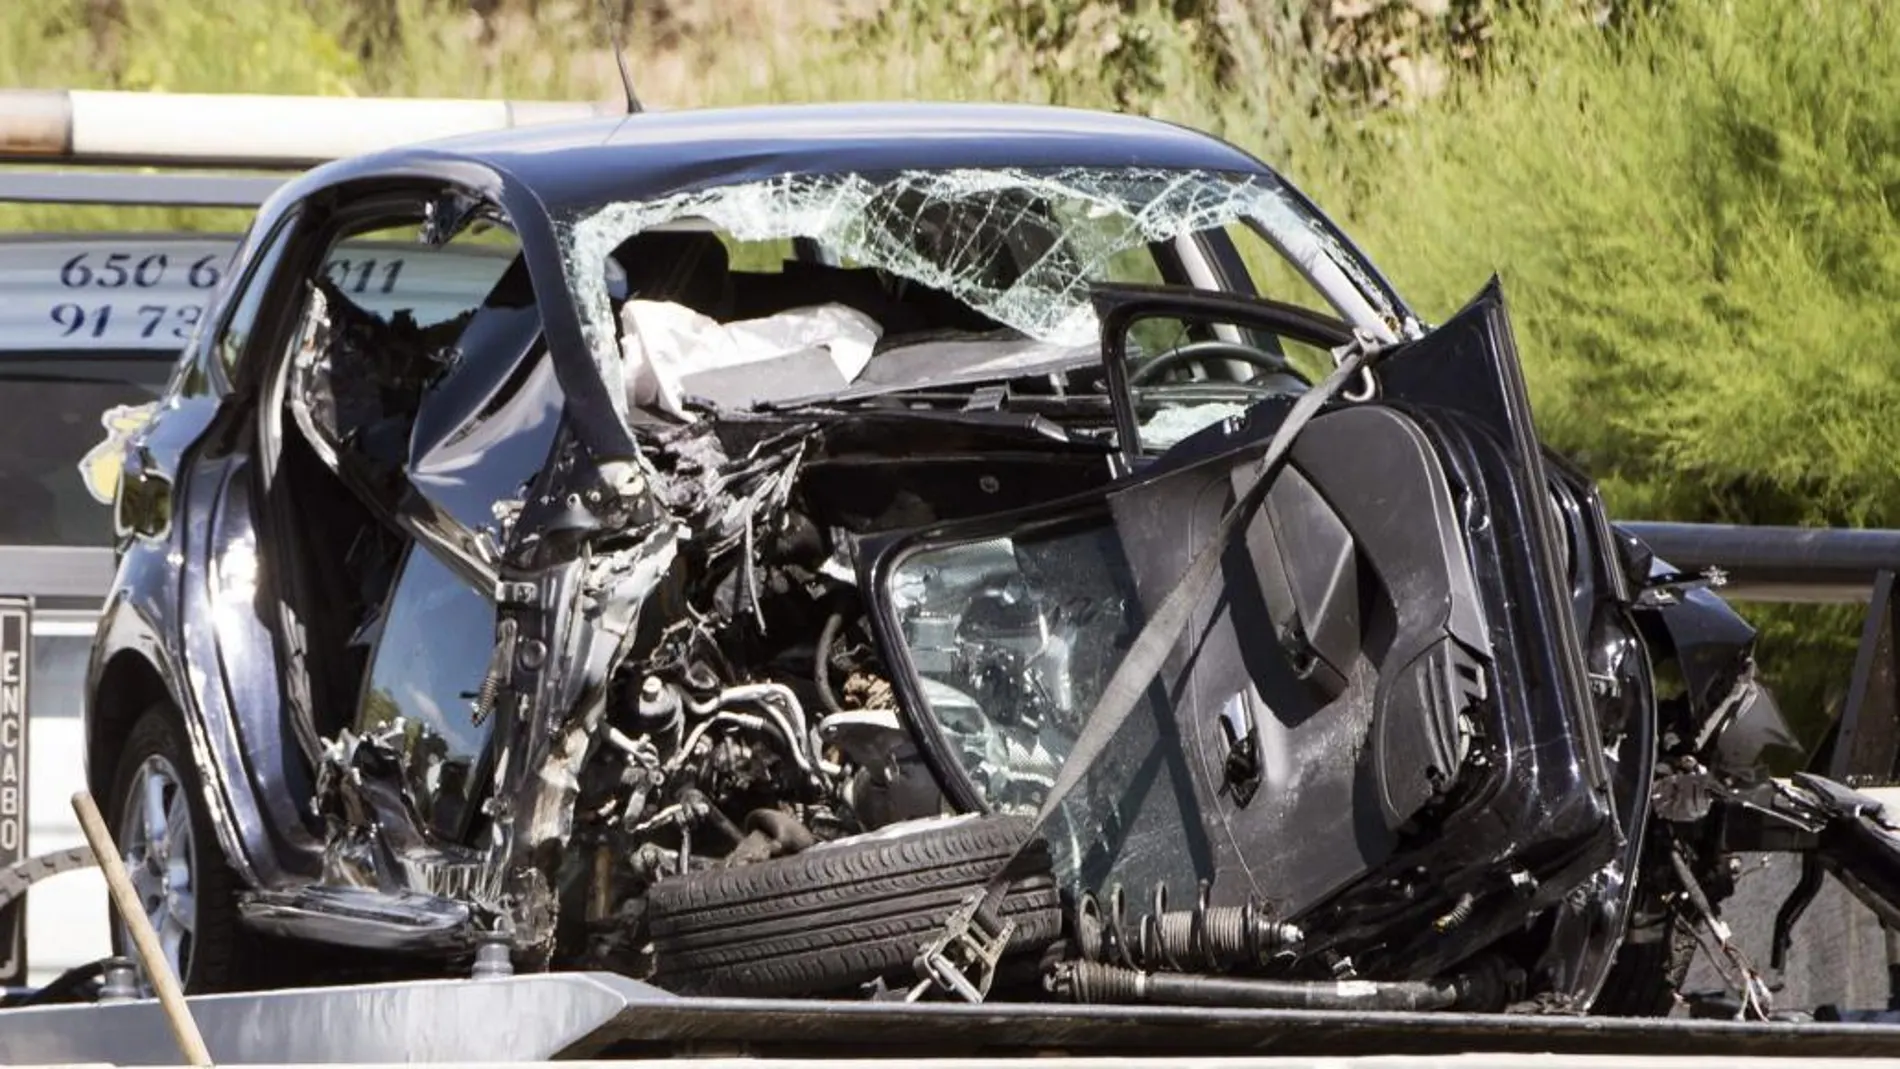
x,y
1732,715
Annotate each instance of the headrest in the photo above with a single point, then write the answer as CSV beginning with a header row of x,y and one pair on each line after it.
x,y
689,268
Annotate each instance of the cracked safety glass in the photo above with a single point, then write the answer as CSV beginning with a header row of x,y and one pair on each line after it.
x,y
1016,249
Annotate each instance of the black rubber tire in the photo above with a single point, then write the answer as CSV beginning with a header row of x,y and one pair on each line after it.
x,y
215,960
843,914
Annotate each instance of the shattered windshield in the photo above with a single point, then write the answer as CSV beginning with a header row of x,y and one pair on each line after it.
x,y
1019,249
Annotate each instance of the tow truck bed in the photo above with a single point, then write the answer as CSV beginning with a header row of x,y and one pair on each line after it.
x,y
597,1016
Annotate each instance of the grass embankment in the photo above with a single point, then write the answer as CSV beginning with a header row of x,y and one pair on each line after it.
x,y
1693,212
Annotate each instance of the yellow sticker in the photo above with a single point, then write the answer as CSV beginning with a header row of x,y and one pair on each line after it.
x,y
102,465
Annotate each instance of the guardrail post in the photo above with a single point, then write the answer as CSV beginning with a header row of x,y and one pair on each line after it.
x,y
1868,738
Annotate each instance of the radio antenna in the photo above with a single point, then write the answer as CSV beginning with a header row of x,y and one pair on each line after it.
x,y
614,34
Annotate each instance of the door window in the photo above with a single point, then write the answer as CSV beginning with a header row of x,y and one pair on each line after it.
x,y
437,635
420,365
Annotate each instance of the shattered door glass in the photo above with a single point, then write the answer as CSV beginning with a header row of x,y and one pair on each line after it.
x,y
1014,639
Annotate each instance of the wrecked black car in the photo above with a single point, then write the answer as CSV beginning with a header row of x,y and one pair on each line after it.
x,y
913,552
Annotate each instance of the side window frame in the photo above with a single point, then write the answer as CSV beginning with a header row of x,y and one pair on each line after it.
x,y
260,272
392,206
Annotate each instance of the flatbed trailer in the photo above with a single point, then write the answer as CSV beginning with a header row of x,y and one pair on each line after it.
x,y
601,1017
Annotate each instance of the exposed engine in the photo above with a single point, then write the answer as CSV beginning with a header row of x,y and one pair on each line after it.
x,y
760,720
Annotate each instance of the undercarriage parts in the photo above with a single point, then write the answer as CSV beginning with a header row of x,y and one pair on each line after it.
x,y
1214,939
1087,981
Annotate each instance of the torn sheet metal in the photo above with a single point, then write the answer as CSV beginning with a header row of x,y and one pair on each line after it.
x,y
1020,246
553,717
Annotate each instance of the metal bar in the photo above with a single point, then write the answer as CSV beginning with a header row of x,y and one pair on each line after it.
x,y
125,897
1797,564
1868,738
35,123
248,130
838,1030
153,190
57,571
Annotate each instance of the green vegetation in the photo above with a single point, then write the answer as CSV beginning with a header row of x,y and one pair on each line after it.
x,y
1692,204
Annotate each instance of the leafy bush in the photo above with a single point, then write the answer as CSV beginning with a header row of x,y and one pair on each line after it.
x,y
1694,217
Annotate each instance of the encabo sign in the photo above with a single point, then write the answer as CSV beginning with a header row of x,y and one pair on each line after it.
x,y
15,629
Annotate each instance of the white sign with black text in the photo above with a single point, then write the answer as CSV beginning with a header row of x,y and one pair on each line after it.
x,y
16,654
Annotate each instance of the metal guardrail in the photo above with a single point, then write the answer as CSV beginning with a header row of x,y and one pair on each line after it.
x,y
134,190
1823,565
1794,564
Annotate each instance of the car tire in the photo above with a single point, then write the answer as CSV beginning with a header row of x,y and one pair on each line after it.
x,y
199,928
844,913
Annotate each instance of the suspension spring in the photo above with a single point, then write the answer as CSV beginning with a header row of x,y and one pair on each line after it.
x,y
1203,939
486,697
1461,912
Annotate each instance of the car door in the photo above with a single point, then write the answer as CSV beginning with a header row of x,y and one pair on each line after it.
x,y
417,400
187,552
1377,706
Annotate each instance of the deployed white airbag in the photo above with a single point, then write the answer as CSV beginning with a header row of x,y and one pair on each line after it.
x,y
673,352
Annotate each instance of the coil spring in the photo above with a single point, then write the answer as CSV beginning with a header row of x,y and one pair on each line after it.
x,y
486,697
1461,912
1091,981
1203,939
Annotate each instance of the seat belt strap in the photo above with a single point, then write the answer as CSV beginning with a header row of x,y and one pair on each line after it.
x,y
1137,670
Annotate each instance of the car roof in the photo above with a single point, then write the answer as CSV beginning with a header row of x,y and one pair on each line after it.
x,y
545,175
653,154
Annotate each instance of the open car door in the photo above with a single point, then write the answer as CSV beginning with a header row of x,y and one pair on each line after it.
x,y
1374,723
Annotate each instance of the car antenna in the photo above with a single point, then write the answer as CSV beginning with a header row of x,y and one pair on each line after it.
x,y
614,35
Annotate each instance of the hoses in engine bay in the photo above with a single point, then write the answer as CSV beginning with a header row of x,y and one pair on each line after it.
x,y
779,713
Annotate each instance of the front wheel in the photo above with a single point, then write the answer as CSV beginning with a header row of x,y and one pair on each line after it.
x,y
170,849
844,913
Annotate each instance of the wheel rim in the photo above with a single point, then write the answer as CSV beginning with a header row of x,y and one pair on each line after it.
x,y
161,857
